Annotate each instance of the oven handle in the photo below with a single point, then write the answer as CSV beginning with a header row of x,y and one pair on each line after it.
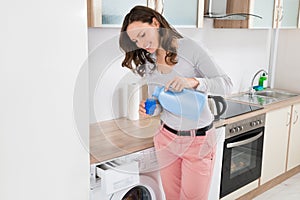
x,y
240,143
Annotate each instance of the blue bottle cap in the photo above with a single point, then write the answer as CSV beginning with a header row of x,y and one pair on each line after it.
x,y
258,87
150,106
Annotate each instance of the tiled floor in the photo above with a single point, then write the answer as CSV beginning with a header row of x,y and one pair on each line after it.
x,y
287,190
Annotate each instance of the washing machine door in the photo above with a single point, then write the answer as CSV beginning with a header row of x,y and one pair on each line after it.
x,y
138,192
146,190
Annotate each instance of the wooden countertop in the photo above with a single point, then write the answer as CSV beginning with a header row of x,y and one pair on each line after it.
x,y
114,138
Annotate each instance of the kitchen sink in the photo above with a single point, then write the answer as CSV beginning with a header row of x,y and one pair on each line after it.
x,y
276,94
254,99
264,97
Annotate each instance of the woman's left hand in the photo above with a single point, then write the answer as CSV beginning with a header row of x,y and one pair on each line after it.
x,y
179,83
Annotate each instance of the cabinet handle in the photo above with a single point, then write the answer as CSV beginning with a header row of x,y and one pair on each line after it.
x,y
157,5
151,4
296,114
277,13
288,119
280,13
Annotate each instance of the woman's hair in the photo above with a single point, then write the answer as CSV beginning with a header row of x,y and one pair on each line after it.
x,y
140,56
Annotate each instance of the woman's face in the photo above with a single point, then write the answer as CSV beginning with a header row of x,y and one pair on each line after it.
x,y
145,35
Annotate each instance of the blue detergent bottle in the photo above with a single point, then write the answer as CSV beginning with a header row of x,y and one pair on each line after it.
x,y
187,103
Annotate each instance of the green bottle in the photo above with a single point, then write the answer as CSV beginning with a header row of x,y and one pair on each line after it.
x,y
262,81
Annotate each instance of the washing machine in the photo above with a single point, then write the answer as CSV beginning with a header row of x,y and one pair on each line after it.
x,y
131,177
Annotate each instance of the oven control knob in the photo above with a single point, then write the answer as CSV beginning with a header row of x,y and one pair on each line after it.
x,y
232,130
258,122
253,123
239,128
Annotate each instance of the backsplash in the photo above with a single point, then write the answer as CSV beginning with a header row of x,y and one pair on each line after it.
x,y
239,52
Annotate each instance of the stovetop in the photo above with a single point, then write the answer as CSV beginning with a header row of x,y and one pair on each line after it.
x,y
235,109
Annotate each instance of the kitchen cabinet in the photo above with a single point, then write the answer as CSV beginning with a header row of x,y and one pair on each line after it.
x,y
281,142
293,159
265,9
286,14
110,13
191,12
274,13
275,143
214,192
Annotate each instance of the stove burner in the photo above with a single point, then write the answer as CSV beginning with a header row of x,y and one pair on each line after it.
x,y
236,109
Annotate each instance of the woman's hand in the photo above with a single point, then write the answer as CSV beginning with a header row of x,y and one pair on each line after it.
x,y
179,83
142,109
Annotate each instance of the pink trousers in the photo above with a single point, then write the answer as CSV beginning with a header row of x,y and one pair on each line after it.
x,y
186,164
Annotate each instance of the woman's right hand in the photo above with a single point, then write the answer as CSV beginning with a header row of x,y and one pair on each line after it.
x,y
142,109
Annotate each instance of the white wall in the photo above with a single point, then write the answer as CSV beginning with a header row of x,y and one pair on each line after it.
x,y
288,61
43,45
239,52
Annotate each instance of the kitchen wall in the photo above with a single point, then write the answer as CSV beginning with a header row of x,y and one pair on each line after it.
x,y
288,62
239,52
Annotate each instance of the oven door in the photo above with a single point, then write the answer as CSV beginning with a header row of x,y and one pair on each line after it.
x,y
242,159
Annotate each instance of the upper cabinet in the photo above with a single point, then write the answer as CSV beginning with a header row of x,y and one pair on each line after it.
x,y
226,13
188,13
110,13
264,9
258,13
287,15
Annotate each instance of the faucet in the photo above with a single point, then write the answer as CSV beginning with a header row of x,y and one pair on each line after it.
x,y
251,90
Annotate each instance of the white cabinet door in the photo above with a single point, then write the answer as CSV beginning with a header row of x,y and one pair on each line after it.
x,y
183,13
275,143
264,9
289,10
110,13
294,140
114,11
214,192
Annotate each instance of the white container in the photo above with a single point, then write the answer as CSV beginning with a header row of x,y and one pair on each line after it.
x,y
117,175
134,93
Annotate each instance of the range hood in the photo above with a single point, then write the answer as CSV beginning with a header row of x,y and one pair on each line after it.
x,y
228,9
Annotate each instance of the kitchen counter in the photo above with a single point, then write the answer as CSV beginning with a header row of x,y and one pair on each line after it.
x,y
114,138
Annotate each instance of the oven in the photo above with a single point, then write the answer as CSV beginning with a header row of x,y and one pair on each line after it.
x,y
242,153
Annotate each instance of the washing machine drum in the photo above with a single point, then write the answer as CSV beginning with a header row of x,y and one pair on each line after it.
x,y
146,190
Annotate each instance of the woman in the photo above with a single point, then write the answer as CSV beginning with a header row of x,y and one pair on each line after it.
x,y
185,148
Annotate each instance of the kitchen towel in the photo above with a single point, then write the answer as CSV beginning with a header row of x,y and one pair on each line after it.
x,y
134,95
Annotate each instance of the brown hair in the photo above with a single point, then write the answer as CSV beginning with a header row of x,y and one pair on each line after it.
x,y
140,56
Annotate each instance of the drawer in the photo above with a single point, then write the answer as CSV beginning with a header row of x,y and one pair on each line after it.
x,y
117,175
